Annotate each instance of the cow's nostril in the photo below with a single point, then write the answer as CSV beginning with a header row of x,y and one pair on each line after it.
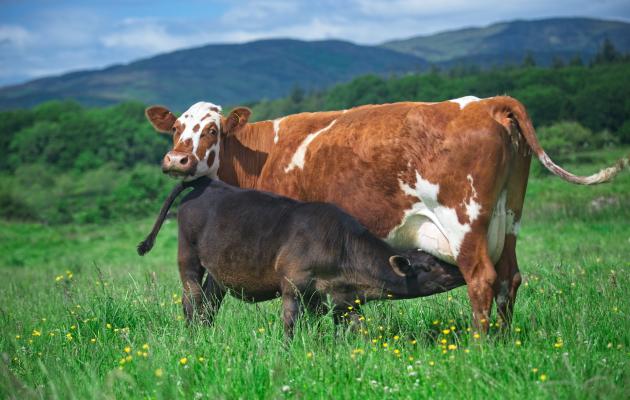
x,y
167,159
183,161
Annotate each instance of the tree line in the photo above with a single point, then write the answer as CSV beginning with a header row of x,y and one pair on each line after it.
x,y
67,163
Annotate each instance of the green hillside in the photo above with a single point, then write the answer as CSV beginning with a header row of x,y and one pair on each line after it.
x,y
222,73
504,42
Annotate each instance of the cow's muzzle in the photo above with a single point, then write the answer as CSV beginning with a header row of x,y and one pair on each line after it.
x,y
179,164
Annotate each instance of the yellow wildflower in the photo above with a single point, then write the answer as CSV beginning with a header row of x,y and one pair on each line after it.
x,y
127,350
93,340
357,301
543,377
201,359
396,337
309,354
183,361
446,331
385,345
145,346
69,337
159,372
476,335
443,341
517,343
36,332
452,347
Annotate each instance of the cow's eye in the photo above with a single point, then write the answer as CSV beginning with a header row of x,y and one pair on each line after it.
x,y
174,129
213,131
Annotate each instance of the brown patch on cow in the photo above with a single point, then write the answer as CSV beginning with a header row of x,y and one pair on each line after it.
x,y
204,117
211,159
215,109
184,147
196,128
161,118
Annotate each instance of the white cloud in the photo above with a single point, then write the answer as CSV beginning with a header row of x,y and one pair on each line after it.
x,y
15,35
148,38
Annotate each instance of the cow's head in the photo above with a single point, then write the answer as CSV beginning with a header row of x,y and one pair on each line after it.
x,y
197,136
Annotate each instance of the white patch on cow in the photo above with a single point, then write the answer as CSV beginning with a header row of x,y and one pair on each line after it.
x,y
298,157
472,207
428,225
276,129
464,101
497,228
434,228
193,116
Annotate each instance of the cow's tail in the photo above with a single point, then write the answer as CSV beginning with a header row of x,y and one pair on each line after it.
x,y
527,129
147,244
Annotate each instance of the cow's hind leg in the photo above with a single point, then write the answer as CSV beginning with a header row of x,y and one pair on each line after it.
x,y
509,277
213,295
480,276
508,281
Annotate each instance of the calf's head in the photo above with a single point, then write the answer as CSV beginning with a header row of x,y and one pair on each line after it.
x,y
197,136
425,274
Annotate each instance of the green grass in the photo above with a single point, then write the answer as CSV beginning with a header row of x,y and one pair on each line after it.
x,y
571,320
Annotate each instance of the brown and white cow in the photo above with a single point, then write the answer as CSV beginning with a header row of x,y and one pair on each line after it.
x,y
448,178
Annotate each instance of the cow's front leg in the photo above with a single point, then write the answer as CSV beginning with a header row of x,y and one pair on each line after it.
x,y
480,276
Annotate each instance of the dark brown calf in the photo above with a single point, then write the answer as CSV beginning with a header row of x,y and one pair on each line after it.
x,y
260,246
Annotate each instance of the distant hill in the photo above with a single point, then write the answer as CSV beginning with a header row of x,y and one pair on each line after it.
x,y
508,42
232,74
221,73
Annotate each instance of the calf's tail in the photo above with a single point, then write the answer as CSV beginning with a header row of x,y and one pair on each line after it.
x,y
517,110
147,244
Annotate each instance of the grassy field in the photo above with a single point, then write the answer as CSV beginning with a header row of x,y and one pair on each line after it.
x,y
83,316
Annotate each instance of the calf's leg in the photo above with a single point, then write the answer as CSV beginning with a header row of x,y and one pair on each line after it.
x,y
290,312
213,295
191,275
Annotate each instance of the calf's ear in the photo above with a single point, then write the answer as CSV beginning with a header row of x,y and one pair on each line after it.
x,y
235,121
401,265
161,118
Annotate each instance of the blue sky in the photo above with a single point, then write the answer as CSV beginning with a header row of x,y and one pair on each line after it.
x,y
39,38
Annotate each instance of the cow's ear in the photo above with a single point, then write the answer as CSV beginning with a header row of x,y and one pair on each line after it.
x,y
235,121
401,265
161,118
